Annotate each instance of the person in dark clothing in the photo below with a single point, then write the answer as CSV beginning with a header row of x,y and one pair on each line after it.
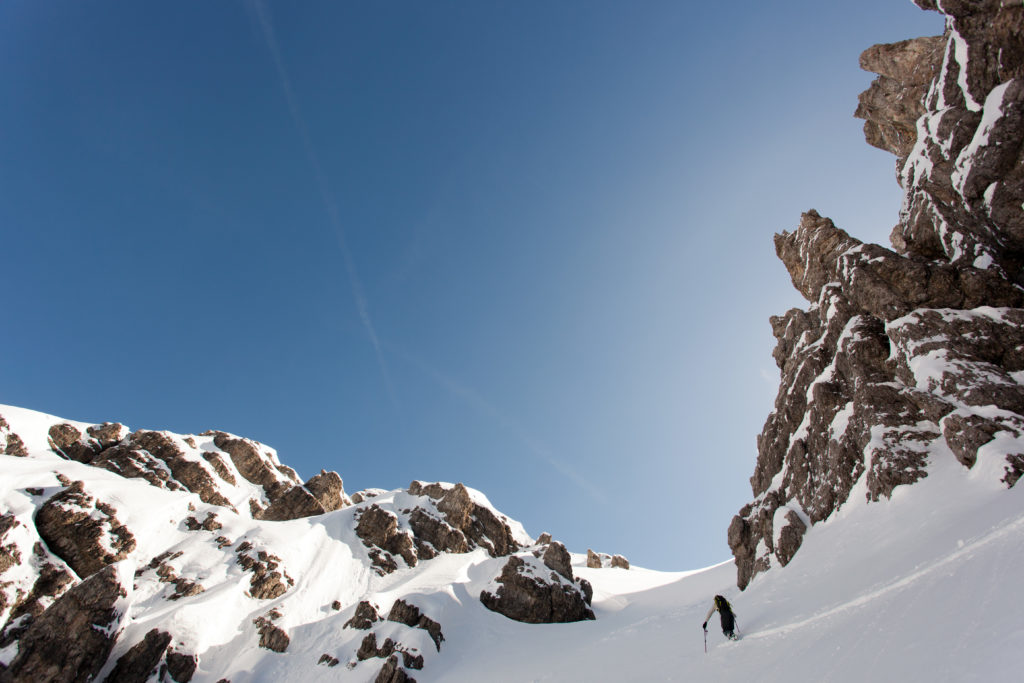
x,y
727,616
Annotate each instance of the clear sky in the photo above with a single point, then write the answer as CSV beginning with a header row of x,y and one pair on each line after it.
x,y
523,245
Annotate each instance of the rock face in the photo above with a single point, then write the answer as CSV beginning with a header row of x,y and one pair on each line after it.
x,y
909,353
71,640
82,531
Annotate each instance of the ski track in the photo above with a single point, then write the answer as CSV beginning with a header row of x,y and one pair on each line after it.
x,y
901,583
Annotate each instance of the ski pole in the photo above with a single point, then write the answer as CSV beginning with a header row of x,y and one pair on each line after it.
x,y
705,640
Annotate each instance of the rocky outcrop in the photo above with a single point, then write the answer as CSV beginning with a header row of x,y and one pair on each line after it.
x,y
391,672
71,640
271,636
52,579
269,579
465,524
216,466
83,531
254,466
410,615
181,666
322,493
329,490
142,660
11,443
908,353
599,560
446,520
540,589
188,472
365,616
378,528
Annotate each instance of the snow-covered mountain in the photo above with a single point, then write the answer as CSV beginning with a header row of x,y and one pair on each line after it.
x,y
108,578
882,542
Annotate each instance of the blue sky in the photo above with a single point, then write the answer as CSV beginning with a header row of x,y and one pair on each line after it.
x,y
523,245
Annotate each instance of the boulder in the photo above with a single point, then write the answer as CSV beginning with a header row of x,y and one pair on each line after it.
x,y
528,591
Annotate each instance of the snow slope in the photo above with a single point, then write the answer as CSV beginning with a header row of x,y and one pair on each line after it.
x,y
923,587
920,587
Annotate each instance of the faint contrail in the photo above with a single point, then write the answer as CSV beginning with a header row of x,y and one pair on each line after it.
x,y
262,13
485,407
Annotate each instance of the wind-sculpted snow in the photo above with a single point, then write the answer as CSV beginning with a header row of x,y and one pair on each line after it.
x,y
916,350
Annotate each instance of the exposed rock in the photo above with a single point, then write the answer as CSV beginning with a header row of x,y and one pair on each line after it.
x,y
557,557
329,490
544,539
477,525
530,593
182,667
908,350
9,554
220,467
11,443
879,281
72,639
107,434
894,102
1014,469
254,466
391,672
82,531
599,560
410,615
296,502
271,637
133,463
369,649
166,573
438,533
328,659
208,524
789,537
378,528
322,493
365,495
364,618
189,473
267,582
142,659
68,442
51,581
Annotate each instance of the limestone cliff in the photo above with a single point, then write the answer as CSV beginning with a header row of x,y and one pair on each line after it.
x,y
914,352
